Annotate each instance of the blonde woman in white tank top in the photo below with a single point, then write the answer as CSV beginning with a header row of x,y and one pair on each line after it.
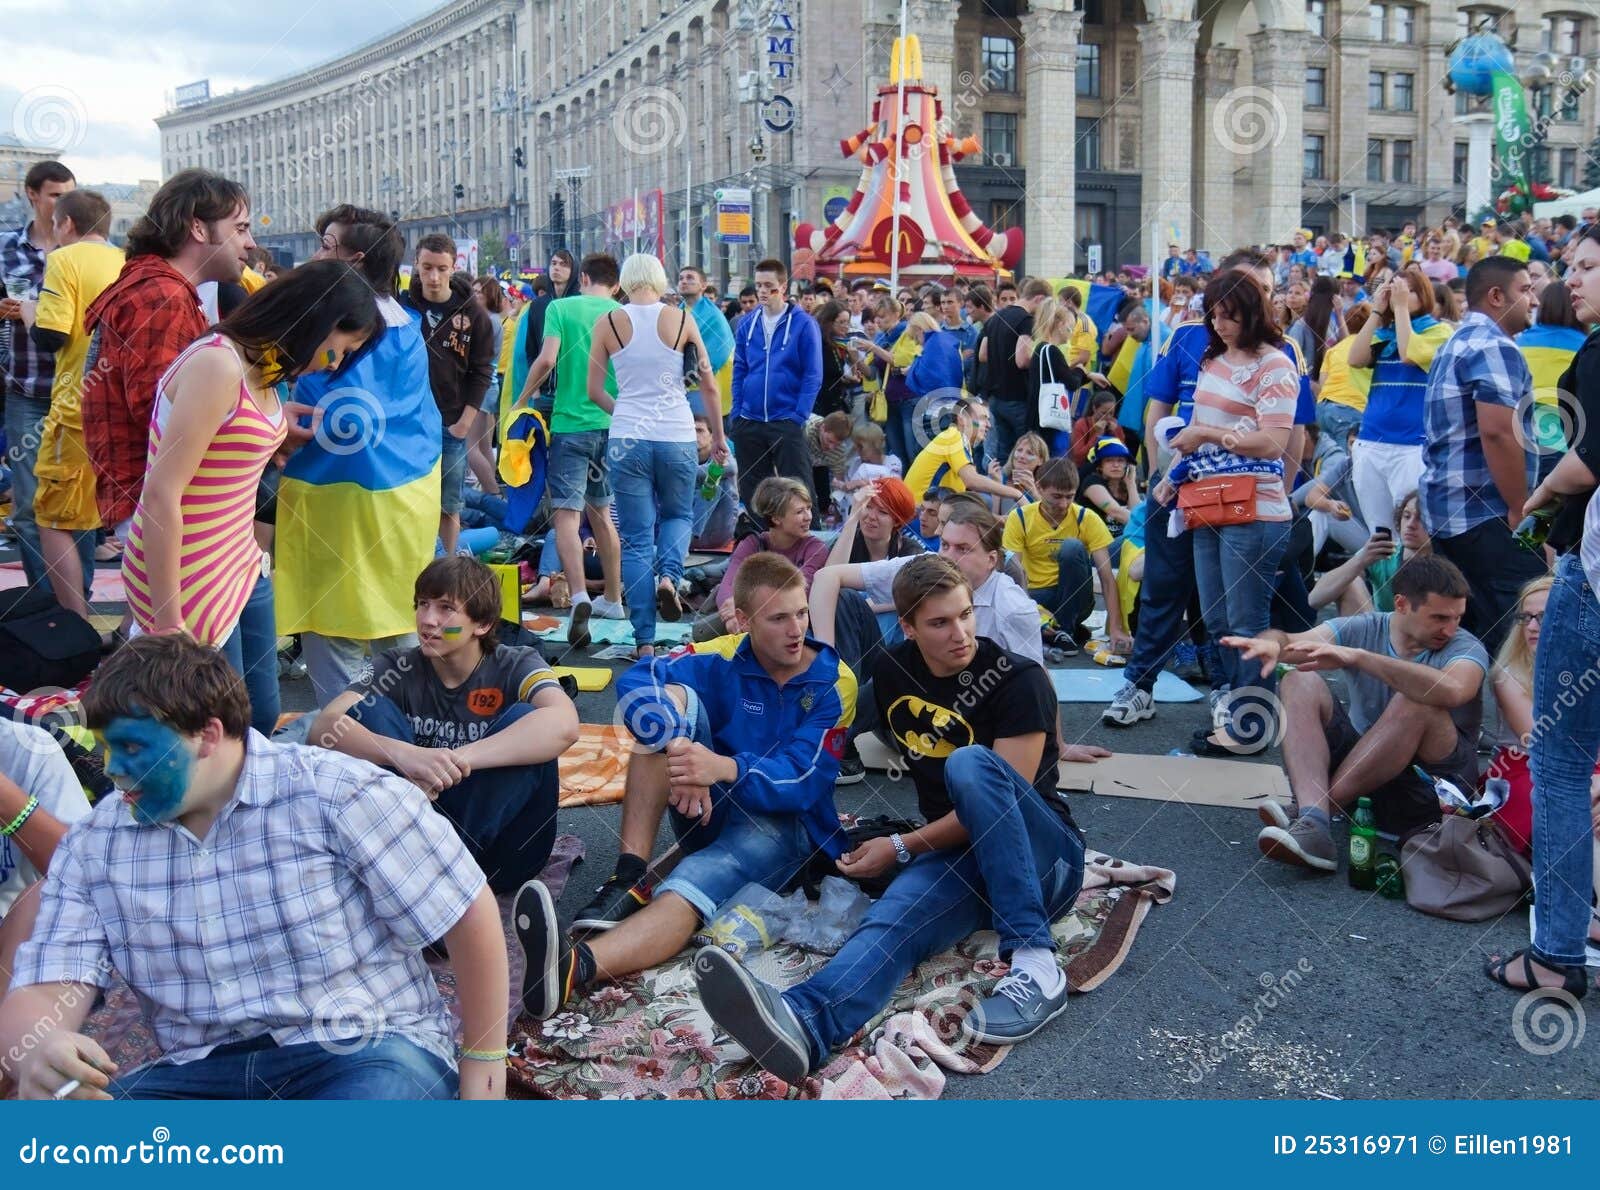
x,y
651,453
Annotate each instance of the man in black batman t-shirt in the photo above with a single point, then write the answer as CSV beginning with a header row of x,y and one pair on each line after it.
x,y
976,726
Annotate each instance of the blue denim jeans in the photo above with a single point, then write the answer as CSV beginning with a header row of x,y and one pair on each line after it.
x,y
576,470
1566,740
452,473
712,521
1010,423
654,487
24,415
252,650
1164,598
1236,570
1072,598
1337,420
505,816
765,849
1022,870
388,1067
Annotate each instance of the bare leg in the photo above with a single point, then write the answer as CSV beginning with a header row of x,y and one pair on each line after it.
x,y
569,549
1406,731
1355,601
1307,708
64,568
644,793
651,936
449,532
480,454
609,548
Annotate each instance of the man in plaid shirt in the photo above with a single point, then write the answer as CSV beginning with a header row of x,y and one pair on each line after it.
x,y
267,903
1476,463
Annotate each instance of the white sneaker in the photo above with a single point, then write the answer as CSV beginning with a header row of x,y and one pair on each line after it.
x,y
1221,711
606,610
1129,706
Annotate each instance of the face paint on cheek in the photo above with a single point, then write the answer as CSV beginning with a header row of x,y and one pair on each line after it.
x,y
149,762
451,631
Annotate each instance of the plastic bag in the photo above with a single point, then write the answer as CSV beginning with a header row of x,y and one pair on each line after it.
x,y
750,921
823,927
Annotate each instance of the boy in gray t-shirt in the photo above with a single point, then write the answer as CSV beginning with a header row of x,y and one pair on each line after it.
x,y
1414,681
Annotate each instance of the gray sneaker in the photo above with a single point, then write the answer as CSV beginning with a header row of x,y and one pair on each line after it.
x,y
1302,842
1129,706
1016,1010
1272,812
753,1014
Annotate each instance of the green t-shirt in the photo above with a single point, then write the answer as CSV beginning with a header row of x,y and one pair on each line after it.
x,y
1380,580
572,319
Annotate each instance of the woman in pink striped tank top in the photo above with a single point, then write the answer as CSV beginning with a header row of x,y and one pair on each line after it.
x,y
192,563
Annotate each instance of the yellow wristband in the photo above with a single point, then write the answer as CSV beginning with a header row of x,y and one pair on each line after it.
x,y
485,1055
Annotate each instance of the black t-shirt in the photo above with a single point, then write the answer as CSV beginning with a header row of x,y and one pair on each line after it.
x,y
900,545
927,717
1578,392
1006,381
442,717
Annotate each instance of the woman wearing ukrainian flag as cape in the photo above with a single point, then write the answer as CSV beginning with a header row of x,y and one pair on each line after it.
x,y
358,505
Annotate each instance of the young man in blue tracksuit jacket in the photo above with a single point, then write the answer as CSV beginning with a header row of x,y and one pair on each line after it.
x,y
777,373
741,738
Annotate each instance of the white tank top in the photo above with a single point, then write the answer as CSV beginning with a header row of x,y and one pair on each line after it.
x,y
651,404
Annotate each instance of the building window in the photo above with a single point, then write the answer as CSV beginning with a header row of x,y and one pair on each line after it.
x,y
1316,86
1376,21
1376,81
1374,161
1540,102
1458,164
1567,113
1088,69
1402,24
1402,92
999,56
1004,214
1567,171
1562,35
1087,154
1400,161
1316,156
1000,138
1482,20
1317,18
1094,12
1539,163
1089,224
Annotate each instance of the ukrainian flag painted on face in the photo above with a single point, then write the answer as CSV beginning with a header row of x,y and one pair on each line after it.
x,y
358,505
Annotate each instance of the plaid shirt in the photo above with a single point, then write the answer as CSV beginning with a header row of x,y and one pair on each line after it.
x,y
28,371
302,913
1479,364
140,324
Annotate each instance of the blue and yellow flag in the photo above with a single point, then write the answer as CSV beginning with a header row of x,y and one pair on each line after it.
x,y
358,506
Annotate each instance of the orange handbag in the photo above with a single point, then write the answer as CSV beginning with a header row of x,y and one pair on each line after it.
x,y
1218,502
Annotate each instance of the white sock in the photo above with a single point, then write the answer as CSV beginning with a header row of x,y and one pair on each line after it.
x,y
579,597
1040,963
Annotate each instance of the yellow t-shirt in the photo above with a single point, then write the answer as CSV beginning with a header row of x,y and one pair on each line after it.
x,y
1081,344
508,341
73,277
1342,384
939,465
1037,542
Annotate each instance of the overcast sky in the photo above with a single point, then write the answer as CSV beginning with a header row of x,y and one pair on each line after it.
x,y
87,78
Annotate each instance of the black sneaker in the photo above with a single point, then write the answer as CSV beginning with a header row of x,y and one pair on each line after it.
x,y
578,626
753,1014
1054,638
553,968
614,902
851,769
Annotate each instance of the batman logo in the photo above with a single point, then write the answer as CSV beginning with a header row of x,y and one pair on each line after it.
x,y
927,729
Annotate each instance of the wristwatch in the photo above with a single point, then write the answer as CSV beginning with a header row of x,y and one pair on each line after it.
x,y
901,854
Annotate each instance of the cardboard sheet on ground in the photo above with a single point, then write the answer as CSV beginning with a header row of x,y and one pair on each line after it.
x,y
107,587
606,632
1091,685
1193,780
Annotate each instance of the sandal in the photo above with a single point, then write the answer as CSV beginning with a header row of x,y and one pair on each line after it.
x,y
1574,980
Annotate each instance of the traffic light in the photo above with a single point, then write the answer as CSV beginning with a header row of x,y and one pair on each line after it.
x,y
460,192
519,158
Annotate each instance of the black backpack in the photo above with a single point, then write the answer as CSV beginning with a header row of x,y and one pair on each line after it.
x,y
42,644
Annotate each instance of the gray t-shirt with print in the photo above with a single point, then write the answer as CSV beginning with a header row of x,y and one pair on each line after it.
x,y
1369,696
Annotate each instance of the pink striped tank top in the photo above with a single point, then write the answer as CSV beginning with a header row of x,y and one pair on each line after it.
x,y
219,560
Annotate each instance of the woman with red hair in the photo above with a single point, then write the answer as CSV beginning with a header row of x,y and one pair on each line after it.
x,y
873,530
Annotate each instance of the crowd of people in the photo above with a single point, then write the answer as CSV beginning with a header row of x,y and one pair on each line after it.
x,y
920,500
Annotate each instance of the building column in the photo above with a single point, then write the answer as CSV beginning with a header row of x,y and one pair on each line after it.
x,y
1215,158
1278,70
1166,97
1049,73
1347,85
1436,144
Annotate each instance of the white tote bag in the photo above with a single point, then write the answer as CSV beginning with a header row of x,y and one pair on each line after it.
x,y
1055,402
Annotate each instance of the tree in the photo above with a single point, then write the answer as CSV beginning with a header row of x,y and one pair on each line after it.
x,y
492,251
1591,165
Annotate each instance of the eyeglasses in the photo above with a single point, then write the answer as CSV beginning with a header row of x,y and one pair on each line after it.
x,y
330,241
1530,617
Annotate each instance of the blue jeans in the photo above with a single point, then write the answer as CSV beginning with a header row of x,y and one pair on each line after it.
x,y
481,510
388,1067
452,473
900,430
1010,423
765,849
1164,597
1566,740
24,415
576,470
858,635
1021,871
654,486
505,816
1337,420
1072,598
252,650
1236,570
712,521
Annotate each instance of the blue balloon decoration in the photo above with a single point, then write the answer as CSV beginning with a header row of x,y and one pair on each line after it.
x,y
1474,61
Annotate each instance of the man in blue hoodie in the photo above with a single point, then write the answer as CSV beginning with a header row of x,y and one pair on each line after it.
x,y
777,373
741,738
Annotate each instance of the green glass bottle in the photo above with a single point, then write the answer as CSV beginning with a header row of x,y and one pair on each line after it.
x,y
1363,847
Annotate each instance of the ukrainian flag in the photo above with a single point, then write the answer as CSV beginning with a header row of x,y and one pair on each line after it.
x,y
358,506
1549,351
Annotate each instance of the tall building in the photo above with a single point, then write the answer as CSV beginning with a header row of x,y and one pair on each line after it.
x,y
1104,123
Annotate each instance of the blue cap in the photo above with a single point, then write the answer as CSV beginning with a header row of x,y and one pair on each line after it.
x,y
1108,448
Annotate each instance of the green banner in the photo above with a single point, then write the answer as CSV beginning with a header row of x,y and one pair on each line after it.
x,y
1512,137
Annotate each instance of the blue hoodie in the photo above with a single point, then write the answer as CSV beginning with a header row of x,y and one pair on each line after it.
x,y
777,381
786,740
938,367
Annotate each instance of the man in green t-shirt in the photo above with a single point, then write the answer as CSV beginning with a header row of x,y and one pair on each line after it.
x,y
578,430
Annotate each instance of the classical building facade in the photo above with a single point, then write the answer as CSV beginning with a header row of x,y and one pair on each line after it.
x,y
1104,123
